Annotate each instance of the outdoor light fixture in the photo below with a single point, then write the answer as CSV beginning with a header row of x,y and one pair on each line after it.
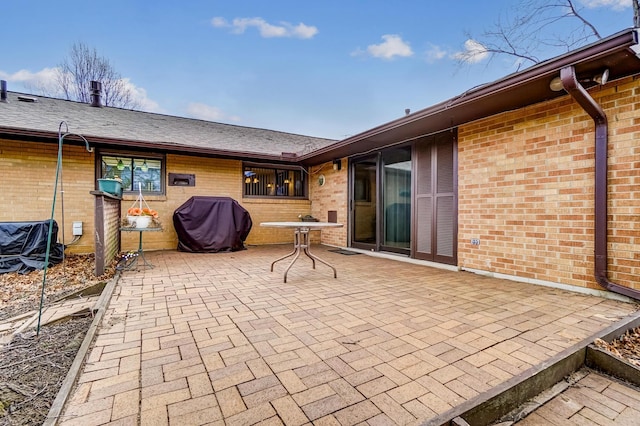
x,y
247,180
556,84
120,165
144,166
601,79
255,180
287,181
337,164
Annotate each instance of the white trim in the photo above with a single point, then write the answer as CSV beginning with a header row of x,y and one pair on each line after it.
x,y
404,258
567,287
572,288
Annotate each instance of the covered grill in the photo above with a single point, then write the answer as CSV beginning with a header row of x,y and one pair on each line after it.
x,y
211,224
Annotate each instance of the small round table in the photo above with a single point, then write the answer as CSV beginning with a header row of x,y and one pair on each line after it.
x,y
301,241
140,252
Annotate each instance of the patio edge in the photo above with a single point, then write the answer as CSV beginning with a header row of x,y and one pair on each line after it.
x,y
67,385
492,405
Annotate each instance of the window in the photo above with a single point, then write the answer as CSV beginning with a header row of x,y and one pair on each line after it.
x,y
277,181
136,171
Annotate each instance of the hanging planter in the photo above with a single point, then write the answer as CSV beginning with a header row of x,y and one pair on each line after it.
x,y
140,215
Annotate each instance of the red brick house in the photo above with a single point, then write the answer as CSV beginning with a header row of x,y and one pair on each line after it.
x,y
534,177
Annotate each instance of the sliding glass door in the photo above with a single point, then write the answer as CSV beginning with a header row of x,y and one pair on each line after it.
x,y
396,200
381,201
404,199
364,206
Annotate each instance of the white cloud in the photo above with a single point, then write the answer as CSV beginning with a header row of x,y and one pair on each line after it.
x,y
473,52
392,46
139,95
209,113
435,53
613,4
266,30
43,81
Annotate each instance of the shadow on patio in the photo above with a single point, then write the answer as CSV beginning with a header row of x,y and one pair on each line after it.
x,y
218,339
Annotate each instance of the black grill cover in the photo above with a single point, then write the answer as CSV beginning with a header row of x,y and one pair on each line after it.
x,y
211,224
23,246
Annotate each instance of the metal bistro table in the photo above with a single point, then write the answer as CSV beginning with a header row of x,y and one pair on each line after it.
x,y
140,252
301,241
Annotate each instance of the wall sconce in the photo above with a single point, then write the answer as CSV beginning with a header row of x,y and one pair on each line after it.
x,y
337,164
120,165
601,79
255,180
247,180
556,84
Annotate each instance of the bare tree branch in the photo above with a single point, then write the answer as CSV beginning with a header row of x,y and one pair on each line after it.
x,y
82,66
534,24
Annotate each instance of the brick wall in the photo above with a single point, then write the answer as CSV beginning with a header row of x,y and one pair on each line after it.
x,y
28,176
333,195
28,172
526,190
107,230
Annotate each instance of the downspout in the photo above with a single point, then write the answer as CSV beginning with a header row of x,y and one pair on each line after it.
x,y
591,107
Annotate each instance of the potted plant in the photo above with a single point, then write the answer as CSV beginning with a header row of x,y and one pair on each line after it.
x,y
140,215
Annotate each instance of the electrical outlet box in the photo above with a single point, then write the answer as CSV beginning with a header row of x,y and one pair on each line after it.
x,y
77,229
475,241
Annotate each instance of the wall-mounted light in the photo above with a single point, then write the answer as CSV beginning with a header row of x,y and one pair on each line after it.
x,y
337,164
255,180
120,165
601,79
247,180
287,181
144,166
556,84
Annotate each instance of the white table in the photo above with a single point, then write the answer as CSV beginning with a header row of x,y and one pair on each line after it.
x,y
301,241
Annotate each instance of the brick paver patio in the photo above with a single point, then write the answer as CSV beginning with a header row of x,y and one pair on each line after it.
x,y
218,339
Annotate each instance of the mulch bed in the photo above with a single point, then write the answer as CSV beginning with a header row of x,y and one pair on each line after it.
x,y
33,367
626,346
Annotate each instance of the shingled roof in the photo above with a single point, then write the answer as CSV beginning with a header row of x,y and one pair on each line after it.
x,y
38,118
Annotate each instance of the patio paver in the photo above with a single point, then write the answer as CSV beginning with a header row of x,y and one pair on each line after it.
x,y
218,339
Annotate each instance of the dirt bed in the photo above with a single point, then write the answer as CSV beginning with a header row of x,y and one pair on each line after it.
x,y
33,367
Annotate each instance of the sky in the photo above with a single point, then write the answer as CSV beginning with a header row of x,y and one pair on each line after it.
x,y
325,68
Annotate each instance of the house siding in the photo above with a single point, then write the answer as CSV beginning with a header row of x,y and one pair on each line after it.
x,y
526,190
26,191
28,173
332,196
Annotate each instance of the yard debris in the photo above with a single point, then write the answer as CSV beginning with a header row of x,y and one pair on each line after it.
x,y
20,293
626,346
32,368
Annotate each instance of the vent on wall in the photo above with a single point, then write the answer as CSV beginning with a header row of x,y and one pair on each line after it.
x,y
181,179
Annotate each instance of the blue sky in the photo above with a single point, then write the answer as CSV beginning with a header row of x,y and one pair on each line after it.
x,y
330,68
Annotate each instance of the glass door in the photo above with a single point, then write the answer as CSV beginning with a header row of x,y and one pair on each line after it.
x,y
396,198
364,210
381,201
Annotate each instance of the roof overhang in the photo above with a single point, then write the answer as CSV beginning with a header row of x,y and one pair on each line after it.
x,y
14,133
617,53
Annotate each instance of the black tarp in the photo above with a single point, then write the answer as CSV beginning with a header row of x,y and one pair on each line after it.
x,y
23,246
211,224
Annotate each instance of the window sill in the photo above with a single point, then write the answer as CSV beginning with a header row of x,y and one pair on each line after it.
x,y
148,197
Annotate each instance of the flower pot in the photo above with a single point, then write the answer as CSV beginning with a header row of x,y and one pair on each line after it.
x,y
139,221
112,186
